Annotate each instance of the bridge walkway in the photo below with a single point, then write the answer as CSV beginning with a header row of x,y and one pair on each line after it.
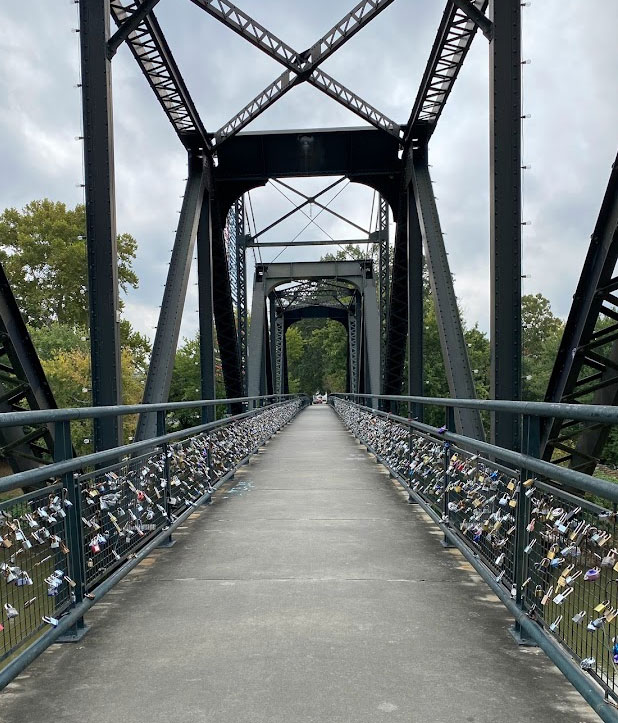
x,y
308,591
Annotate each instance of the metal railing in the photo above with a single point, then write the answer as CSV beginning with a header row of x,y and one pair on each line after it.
x,y
63,546
542,536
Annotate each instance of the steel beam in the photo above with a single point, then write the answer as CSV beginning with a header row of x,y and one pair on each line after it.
x,y
242,313
272,341
383,280
415,303
353,346
398,307
453,40
354,272
206,313
168,328
299,66
131,24
23,386
371,330
279,336
457,365
476,15
324,242
153,55
505,215
361,154
227,337
576,374
256,350
101,243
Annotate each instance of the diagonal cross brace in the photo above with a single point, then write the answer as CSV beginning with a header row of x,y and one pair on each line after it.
x,y
453,40
300,67
150,50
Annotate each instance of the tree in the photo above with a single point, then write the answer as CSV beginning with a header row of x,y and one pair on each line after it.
x,y
43,252
186,384
57,337
295,345
541,334
69,375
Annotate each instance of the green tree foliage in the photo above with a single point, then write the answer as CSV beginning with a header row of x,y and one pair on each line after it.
x,y
57,337
541,334
186,384
317,356
43,252
69,375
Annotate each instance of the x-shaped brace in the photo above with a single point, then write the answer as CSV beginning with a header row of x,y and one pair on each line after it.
x,y
300,67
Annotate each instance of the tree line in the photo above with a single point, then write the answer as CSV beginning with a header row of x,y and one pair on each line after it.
x,y
43,252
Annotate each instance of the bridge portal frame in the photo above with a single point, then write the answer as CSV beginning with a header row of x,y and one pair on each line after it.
x,y
138,27
359,274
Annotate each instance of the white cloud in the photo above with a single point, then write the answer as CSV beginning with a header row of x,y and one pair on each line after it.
x,y
569,89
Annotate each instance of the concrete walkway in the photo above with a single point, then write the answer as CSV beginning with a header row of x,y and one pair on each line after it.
x,y
309,591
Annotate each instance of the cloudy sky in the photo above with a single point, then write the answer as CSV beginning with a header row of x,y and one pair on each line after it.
x,y
569,89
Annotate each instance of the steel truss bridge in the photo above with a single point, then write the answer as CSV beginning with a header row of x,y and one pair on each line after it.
x,y
379,302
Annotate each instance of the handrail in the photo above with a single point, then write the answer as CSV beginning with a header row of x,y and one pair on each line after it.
x,y
532,541
47,416
45,472
82,533
579,412
569,477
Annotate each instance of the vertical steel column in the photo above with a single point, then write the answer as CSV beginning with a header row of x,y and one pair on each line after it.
x,y
272,337
241,298
415,306
101,245
279,336
531,445
383,281
225,321
63,450
353,345
398,307
454,351
256,339
505,215
371,338
268,357
286,376
166,339
204,286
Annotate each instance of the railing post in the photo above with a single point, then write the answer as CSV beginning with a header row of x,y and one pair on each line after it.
x,y
531,446
63,450
208,500
449,422
161,430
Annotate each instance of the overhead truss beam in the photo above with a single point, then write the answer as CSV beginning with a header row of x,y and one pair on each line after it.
x,y
580,372
151,51
453,40
300,67
128,26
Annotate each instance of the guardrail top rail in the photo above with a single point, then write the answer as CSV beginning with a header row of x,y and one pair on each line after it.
x,y
64,545
549,553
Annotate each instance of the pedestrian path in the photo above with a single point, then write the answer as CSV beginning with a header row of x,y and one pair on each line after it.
x,y
308,591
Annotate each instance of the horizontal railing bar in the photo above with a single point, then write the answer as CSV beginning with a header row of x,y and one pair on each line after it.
x,y
113,467
15,667
573,673
563,661
569,477
13,419
581,412
47,490
31,476
30,653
